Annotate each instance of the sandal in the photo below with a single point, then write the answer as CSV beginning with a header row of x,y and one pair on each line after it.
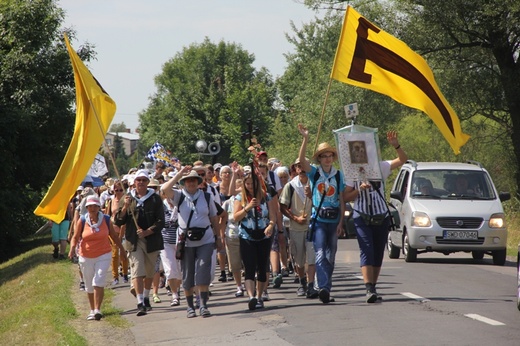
x,y
175,302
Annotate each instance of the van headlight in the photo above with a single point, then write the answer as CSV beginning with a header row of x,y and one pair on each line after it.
x,y
420,219
497,221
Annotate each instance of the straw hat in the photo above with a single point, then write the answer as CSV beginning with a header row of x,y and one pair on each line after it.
x,y
325,148
192,174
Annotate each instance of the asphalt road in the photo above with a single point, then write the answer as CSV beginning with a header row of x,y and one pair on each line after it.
x,y
440,300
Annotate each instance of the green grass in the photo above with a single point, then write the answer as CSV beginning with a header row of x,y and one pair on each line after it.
x,y
36,304
513,226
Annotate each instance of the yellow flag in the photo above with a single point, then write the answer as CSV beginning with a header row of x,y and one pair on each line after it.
x,y
94,113
370,58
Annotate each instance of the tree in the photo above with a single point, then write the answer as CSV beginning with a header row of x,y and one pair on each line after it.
x,y
36,99
208,91
121,127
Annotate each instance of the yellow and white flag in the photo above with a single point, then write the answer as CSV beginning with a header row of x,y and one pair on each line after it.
x,y
370,58
94,113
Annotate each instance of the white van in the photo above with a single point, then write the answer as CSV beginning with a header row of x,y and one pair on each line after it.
x,y
447,207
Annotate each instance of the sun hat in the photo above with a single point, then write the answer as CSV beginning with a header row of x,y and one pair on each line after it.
x,y
247,169
154,183
217,166
142,174
93,200
80,188
260,153
192,174
324,148
199,168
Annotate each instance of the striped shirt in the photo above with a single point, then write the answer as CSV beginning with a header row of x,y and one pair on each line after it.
x,y
371,201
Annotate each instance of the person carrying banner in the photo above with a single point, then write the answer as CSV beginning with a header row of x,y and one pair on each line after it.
x,y
326,224
372,235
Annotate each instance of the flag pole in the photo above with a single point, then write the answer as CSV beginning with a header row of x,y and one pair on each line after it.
x,y
322,114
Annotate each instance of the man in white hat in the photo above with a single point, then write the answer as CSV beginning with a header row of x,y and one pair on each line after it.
x,y
143,215
327,185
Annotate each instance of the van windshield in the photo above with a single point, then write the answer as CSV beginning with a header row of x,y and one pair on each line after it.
x,y
451,184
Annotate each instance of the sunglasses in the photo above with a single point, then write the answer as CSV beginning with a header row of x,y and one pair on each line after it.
x,y
202,174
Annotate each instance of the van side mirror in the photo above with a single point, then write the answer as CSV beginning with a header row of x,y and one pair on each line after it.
x,y
504,196
397,195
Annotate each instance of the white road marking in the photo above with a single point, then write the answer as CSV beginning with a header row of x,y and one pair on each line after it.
x,y
414,296
360,277
485,320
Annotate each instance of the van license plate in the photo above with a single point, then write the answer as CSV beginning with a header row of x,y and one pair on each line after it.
x,y
461,235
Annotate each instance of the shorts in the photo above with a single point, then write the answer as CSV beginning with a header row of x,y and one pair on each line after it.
x,y
302,250
142,264
233,254
95,270
171,265
60,231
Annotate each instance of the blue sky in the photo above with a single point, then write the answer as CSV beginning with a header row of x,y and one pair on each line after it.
x,y
134,38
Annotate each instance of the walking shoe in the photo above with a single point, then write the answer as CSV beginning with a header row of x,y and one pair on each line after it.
x,y
252,303
296,280
141,309
115,282
230,275
277,281
290,268
204,312
259,304
175,302
324,295
91,316
300,292
147,303
55,253
311,292
285,272
156,298
371,296
191,313
222,277
125,279
81,286
61,257
98,315
265,296
239,293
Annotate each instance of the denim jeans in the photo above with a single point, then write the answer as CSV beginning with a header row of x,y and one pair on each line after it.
x,y
325,245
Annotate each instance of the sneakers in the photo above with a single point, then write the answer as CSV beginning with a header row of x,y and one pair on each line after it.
x,y
81,286
239,293
175,302
230,275
156,298
285,272
115,282
252,303
324,295
141,309
259,304
222,277
300,292
371,297
191,313
296,280
55,253
147,303
277,281
204,312
61,257
91,316
265,296
125,279
98,315
311,292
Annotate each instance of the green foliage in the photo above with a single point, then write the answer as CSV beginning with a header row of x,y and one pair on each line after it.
x,y
36,98
208,91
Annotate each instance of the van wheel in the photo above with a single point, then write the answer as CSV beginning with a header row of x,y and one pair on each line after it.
x,y
410,254
499,257
393,251
477,255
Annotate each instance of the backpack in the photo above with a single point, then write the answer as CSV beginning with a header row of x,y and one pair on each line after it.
x,y
181,199
83,220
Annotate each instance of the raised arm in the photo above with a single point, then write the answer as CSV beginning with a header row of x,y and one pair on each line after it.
x,y
306,166
391,136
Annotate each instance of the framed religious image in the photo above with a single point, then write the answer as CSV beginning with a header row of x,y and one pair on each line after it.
x,y
359,153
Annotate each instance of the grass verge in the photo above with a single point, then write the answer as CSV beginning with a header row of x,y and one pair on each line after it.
x,y
37,304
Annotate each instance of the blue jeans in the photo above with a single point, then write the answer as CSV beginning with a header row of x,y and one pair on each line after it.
x,y
325,246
